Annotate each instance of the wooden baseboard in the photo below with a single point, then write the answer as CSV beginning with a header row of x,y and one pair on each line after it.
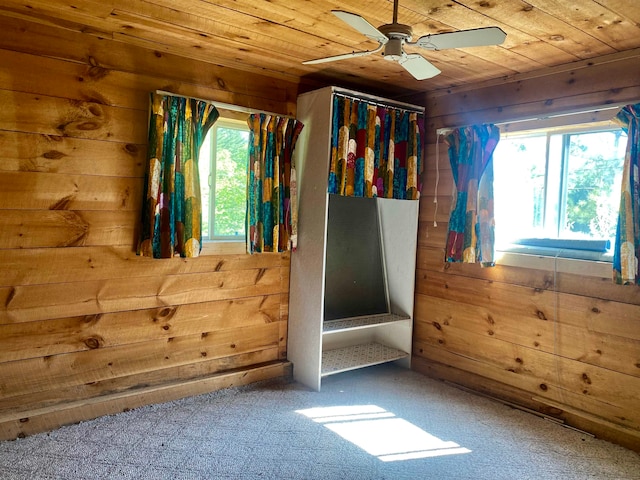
x,y
26,423
572,417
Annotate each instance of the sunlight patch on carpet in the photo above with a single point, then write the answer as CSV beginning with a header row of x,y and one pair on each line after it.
x,y
380,433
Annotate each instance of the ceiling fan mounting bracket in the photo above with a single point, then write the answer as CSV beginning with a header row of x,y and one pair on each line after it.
x,y
397,30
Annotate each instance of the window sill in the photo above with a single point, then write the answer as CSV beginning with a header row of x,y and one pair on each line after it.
x,y
577,262
235,247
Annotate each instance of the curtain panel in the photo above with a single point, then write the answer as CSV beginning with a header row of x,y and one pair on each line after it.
x,y
471,235
272,193
376,150
171,211
627,244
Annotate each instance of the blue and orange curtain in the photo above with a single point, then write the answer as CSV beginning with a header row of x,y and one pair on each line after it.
x,y
171,219
376,150
272,191
627,244
471,235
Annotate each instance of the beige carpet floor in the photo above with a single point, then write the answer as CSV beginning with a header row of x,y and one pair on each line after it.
x,y
377,423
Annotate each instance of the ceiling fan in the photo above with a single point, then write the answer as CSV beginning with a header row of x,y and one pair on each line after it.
x,y
394,36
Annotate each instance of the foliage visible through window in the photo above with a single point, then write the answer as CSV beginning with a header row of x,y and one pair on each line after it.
x,y
558,185
223,180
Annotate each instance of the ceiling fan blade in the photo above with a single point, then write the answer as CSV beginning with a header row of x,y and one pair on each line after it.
x,y
418,66
361,25
478,37
342,57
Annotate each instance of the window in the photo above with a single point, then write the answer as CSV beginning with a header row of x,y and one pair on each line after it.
x,y
223,180
558,187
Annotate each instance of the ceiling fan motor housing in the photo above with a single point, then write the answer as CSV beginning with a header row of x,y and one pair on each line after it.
x,y
397,34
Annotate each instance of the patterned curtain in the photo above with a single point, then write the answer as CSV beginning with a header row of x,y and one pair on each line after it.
x,y
171,210
471,224
627,244
272,204
375,150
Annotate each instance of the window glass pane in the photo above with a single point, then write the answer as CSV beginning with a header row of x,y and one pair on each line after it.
x,y
593,173
230,182
519,166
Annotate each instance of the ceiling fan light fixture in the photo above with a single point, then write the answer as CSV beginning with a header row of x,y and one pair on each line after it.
x,y
393,49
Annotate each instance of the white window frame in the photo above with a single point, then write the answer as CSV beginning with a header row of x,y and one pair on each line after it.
x,y
508,255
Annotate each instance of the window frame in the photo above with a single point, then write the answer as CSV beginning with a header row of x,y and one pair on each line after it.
x,y
557,247
225,243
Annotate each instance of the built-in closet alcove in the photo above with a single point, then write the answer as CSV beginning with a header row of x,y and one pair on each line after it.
x,y
353,272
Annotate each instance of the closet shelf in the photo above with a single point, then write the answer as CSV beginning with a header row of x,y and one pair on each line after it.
x,y
341,325
358,356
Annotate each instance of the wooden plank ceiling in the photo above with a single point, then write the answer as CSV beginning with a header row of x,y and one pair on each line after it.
x,y
274,37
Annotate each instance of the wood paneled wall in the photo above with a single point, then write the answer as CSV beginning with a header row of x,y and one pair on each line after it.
x,y
562,341
86,326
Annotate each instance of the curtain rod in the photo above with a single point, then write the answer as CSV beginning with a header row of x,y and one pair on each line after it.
x,y
383,102
447,130
224,106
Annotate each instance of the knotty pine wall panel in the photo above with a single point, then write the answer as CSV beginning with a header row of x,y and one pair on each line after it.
x,y
86,326
548,335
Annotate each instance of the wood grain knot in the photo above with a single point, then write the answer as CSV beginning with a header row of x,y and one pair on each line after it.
x,y
63,203
544,387
93,342
164,314
10,297
260,274
586,379
53,155
88,126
